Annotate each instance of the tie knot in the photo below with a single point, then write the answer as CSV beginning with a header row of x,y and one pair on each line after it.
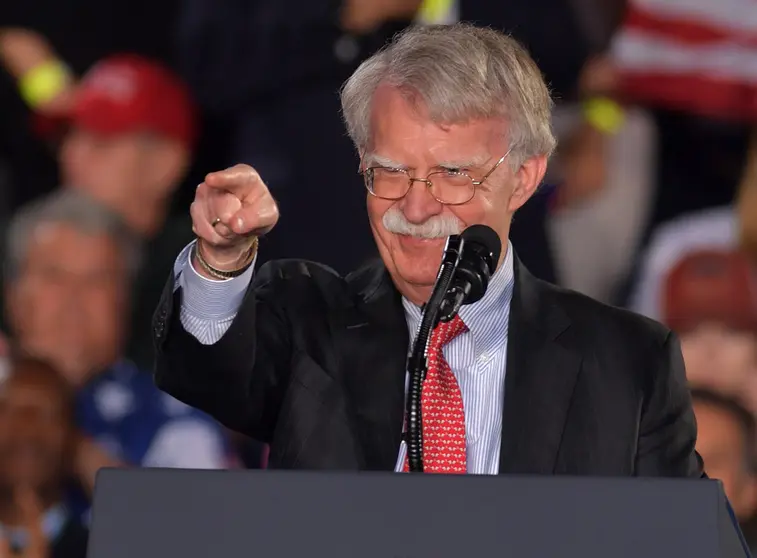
x,y
445,332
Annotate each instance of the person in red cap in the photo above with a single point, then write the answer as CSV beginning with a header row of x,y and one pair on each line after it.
x,y
131,136
710,300
124,134
128,144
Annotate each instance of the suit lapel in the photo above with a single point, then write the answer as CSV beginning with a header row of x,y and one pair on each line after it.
x,y
376,338
541,375
541,372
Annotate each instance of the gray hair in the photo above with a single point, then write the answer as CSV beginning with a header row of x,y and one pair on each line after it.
x,y
75,209
460,72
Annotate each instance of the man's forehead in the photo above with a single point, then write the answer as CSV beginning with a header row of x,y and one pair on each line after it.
x,y
56,232
391,103
410,140
64,247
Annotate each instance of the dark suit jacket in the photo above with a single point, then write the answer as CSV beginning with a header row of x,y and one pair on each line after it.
x,y
314,364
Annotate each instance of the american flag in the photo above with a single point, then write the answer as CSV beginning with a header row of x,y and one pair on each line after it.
x,y
695,55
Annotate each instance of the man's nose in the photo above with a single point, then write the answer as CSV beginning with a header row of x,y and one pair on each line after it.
x,y
419,205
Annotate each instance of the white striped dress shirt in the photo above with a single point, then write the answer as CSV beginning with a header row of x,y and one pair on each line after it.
x,y
477,357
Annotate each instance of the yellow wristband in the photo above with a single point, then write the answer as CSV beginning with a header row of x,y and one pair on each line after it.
x,y
434,11
43,82
604,114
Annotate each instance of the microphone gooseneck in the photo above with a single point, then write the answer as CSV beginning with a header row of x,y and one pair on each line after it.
x,y
418,360
468,262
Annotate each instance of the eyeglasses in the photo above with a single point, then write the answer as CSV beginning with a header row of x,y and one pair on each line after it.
x,y
448,187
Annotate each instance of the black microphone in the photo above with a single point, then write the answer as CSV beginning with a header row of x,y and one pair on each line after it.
x,y
468,262
478,250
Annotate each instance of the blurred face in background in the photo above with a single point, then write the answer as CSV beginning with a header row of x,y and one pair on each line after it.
x,y
35,431
721,441
720,357
132,173
411,232
68,305
106,165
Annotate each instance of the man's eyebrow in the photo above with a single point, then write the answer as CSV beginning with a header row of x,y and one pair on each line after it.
x,y
469,162
375,160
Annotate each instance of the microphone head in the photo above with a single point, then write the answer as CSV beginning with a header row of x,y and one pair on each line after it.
x,y
487,240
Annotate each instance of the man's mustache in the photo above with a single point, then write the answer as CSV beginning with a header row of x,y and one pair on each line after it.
x,y
438,226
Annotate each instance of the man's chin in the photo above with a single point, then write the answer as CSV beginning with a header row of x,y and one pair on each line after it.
x,y
420,272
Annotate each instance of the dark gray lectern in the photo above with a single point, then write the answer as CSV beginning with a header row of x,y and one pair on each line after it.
x,y
145,513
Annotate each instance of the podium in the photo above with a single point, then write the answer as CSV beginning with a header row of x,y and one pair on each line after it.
x,y
167,513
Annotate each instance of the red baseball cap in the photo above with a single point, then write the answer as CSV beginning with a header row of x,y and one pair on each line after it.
x,y
127,93
711,286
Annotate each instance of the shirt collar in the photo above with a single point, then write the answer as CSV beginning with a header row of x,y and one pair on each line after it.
x,y
487,319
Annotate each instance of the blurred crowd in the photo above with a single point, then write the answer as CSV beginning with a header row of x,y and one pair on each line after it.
x,y
111,114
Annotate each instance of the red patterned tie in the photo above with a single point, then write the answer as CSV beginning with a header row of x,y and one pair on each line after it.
x,y
442,411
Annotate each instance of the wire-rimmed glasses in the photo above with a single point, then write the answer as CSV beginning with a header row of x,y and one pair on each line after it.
x,y
448,187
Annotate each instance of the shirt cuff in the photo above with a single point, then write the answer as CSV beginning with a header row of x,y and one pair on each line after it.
x,y
205,298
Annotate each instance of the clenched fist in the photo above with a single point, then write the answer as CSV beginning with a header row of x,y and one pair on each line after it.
x,y
230,210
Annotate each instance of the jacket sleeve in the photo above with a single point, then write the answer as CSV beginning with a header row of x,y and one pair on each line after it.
x,y
241,379
668,430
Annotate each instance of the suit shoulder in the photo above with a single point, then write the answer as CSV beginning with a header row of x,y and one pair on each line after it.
x,y
286,270
300,285
606,321
290,276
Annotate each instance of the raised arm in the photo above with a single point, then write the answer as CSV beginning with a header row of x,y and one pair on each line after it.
x,y
211,352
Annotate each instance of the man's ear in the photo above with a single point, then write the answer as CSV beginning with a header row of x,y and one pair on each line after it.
x,y
527,180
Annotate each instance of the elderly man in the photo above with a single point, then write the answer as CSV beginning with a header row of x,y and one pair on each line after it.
x,y
132,131
70,261
453,127
127,130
